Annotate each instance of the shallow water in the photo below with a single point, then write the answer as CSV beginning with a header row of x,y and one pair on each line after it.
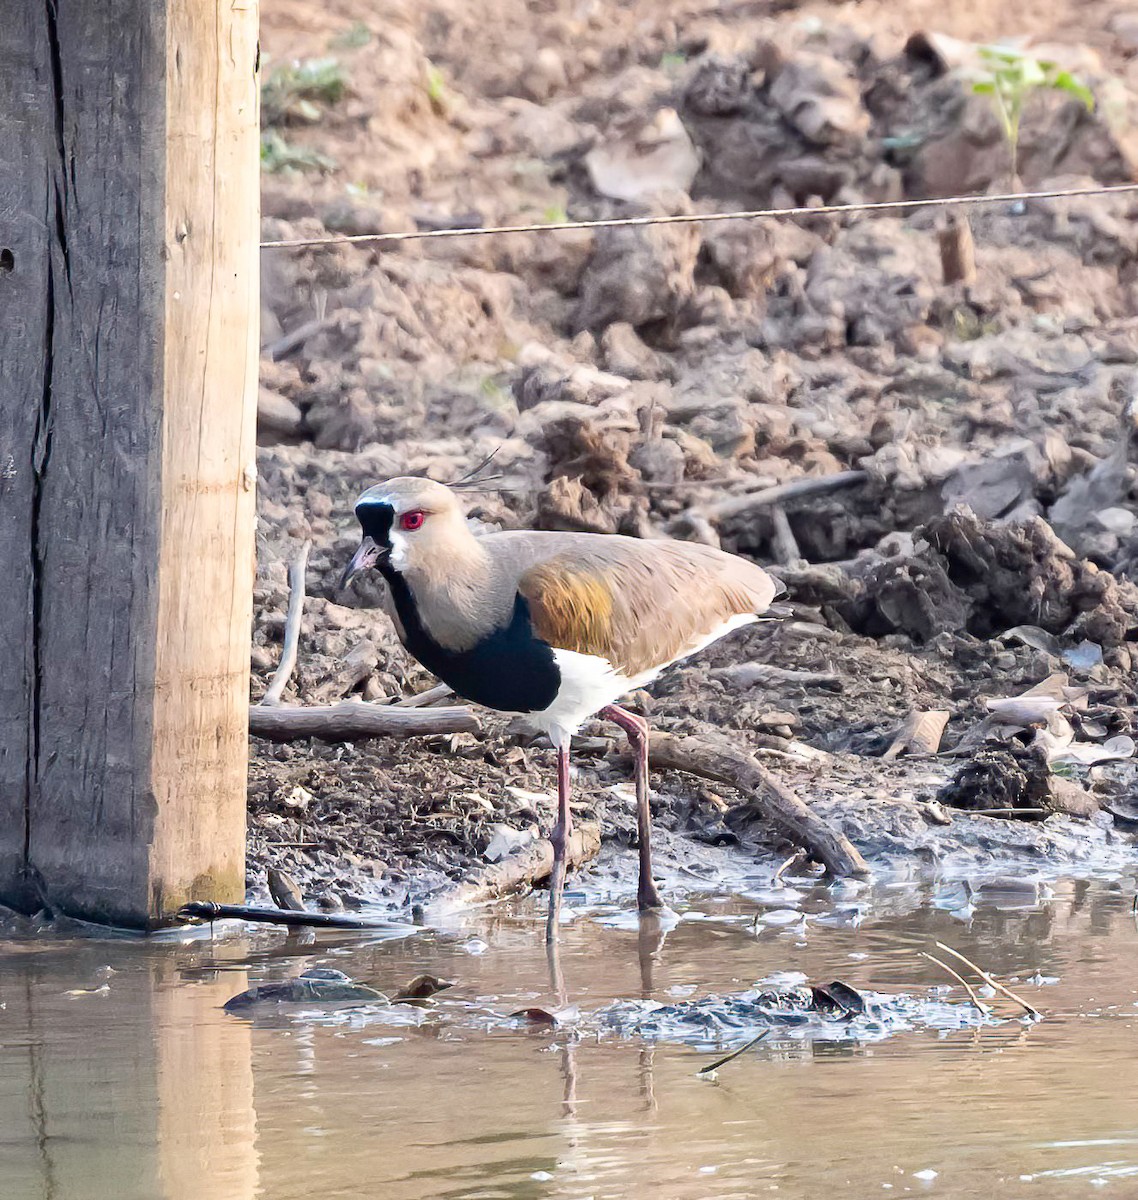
x,y
121,1078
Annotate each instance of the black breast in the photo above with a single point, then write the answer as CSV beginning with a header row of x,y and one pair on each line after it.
x,y
511,669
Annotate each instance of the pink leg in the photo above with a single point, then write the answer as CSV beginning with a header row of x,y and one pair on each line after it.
x,y
559,836
636,729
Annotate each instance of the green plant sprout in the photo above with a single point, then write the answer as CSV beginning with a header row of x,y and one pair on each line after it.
x,y
1009,76
293,91
436,89
352,38
279,155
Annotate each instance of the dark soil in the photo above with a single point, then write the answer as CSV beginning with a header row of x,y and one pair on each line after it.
x,y
630,378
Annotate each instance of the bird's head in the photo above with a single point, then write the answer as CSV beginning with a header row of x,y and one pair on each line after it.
x,y
409,525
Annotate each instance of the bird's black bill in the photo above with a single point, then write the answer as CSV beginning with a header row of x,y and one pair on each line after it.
x,y
366,556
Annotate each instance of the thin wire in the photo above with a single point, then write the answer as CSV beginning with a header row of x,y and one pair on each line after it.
x,y
698,218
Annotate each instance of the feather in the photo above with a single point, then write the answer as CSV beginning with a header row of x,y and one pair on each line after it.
x,y
641,604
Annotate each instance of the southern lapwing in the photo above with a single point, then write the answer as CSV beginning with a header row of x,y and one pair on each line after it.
x,y
557,626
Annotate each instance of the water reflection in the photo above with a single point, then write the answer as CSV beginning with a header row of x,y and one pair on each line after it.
x,y
132,1083
123,1081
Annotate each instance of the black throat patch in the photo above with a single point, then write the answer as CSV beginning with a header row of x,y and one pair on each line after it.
x,y
375,520
510,669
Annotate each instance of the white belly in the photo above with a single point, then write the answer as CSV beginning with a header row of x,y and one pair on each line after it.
x,y
589,683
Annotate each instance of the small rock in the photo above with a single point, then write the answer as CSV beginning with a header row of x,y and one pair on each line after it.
x,y
1068,797
640,275
657,157
321,985
277,415
776,719
298,799
625,354
719,88
820,99
660,460
544,77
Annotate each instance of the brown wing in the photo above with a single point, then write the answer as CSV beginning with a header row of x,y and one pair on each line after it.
x,y
640,604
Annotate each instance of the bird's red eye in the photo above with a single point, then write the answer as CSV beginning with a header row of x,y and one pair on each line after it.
x,y
411,521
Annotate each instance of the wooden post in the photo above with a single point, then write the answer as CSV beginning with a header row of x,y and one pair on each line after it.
x,y
128,293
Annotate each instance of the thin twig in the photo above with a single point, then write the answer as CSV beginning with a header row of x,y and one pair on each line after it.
x,y
797,856
1005,812
292,628
719,1062
797,489
1031,1010
979,1004
439,692
294,340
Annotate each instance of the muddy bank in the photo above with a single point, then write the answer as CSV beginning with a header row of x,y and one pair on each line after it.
x,y
953,506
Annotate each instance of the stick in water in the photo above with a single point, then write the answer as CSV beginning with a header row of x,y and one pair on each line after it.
x,y
978,1004
734,1054
199,911
1032,1012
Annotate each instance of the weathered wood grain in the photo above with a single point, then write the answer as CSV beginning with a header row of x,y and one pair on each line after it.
x,y
27,120
207,561
129,182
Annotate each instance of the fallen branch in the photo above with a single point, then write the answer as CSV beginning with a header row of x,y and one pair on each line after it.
x,y
292,628
200,911
353,720
528,866
777,803
797,489
784,543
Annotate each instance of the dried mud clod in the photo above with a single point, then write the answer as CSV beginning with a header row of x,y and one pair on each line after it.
x,y
1020,573
968,575
594,488
1001,780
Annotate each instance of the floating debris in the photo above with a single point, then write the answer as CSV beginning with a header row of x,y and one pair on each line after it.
x,y
422,987
320,985
834,1011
